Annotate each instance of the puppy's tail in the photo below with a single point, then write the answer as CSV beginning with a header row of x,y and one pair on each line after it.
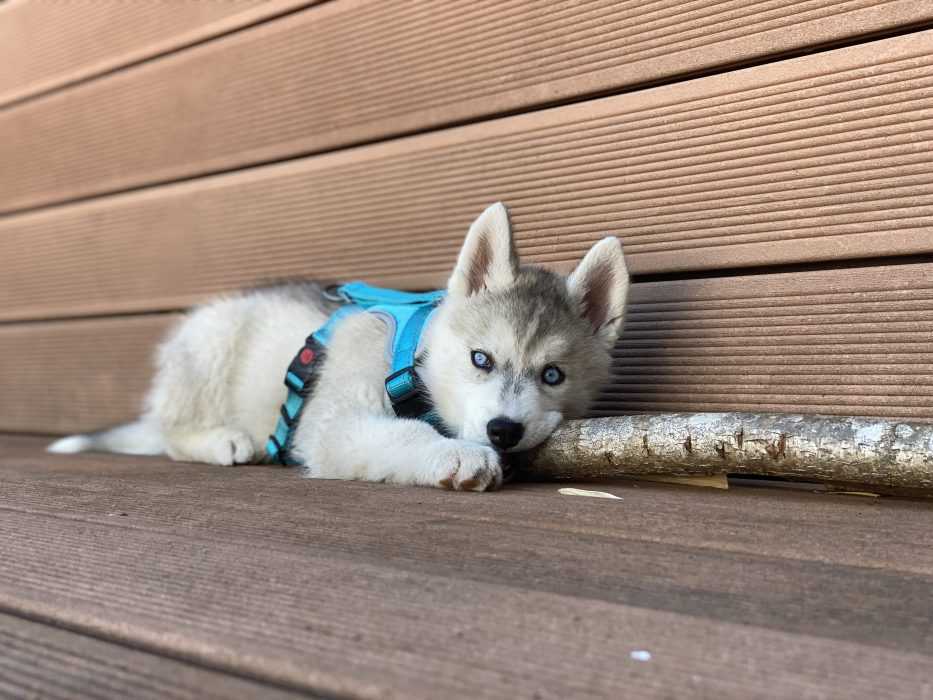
x,y
140,438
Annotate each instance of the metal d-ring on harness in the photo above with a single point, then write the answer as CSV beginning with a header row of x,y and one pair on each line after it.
x,y
405,314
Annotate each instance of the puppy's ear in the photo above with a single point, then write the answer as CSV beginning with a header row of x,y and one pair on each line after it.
x,y
600,287
488,259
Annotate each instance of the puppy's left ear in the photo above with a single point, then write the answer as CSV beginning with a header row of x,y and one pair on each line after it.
x,y
600,286
488,259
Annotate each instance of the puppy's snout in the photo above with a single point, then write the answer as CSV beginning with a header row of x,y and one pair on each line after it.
x,y
504,433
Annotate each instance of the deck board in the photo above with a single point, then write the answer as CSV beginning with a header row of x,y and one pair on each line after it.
x,y
376,591
41,661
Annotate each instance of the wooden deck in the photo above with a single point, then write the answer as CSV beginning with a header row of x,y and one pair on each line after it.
x,y
133,577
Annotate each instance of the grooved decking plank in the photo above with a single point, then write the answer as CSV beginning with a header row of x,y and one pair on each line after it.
x,y
818,158
76,375
45,45
840,342
844,342
274,505
352,71
373,590
39,661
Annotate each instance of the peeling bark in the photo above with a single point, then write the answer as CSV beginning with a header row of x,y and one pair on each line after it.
x,y
811,448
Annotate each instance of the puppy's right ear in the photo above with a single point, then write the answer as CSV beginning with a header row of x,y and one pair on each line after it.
x,y
488,259
600,286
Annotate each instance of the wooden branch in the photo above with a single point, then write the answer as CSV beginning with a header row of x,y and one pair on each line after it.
x,y
812,448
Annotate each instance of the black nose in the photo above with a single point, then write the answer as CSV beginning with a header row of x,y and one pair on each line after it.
x,y
504,433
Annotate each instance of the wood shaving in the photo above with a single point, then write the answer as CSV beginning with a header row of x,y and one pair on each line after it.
x,y
591,494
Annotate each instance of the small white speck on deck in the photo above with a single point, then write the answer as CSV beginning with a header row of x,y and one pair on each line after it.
x,y
640,655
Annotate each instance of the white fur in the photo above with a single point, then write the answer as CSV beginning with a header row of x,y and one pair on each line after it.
x,y
537,408
139,438
218,384
71,444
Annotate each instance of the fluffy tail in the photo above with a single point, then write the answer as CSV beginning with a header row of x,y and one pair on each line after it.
x,y
139,438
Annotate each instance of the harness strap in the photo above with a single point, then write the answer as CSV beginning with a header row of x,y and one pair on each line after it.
x,y
405,314
300,380
367,296
403,385
324,333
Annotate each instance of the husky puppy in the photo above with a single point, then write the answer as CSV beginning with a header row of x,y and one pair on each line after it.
x,y
509,353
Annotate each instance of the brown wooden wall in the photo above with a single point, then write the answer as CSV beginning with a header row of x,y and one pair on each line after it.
x,y
768,166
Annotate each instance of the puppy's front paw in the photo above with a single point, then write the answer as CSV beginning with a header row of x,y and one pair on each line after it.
x,y
232,447
468,466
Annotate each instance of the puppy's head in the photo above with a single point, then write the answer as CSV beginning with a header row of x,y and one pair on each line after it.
x,y
514,349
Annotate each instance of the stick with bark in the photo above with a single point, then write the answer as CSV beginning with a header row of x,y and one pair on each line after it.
x,y
811,448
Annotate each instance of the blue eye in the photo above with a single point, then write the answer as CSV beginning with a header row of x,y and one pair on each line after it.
x,y
481,360
552,375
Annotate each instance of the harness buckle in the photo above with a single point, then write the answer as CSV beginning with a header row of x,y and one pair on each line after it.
x,y
405,393
402,385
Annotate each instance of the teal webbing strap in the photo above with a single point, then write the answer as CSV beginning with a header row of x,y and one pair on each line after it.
x,y
408,327
406,314
367,296
324,333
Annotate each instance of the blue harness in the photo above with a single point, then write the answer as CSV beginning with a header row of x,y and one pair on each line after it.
x,y
405,314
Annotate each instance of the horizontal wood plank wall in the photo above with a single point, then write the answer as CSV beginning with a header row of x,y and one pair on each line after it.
x,y
850,341
354,70
846,342
818,158
76,375
46,44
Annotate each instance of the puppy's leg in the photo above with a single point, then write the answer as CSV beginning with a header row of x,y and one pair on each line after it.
x,y
191,394
396,450
224,446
